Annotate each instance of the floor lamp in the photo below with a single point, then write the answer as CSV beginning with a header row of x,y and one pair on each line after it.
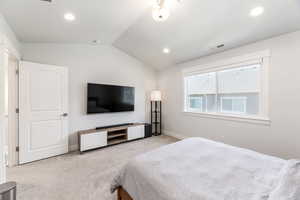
x,y
156,112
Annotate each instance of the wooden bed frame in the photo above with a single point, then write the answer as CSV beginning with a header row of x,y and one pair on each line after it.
x,y
123,195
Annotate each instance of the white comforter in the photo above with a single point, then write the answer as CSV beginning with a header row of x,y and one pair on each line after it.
x,y
199,169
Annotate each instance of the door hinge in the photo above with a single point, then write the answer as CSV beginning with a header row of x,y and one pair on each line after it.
x,y
17,72
17,110
17,149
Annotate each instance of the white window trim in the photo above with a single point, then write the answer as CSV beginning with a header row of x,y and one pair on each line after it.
x,y
248,59
261,57
229,117
233,98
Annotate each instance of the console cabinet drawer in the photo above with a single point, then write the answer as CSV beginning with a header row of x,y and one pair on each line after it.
x,y
135,132
93,140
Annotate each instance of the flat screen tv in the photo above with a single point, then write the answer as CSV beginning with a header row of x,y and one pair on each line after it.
x,y
109,98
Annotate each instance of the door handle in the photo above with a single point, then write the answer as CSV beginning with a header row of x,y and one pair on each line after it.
x,y
65,115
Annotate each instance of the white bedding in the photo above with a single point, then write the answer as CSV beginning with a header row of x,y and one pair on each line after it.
x,y
200,169
288,188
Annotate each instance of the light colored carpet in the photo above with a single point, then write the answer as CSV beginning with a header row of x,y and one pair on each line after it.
x,y
78,177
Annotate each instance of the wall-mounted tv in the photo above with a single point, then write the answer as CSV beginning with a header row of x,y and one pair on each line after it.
x,y
109,98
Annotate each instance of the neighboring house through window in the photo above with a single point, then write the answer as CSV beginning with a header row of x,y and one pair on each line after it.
x,y
238,87
196,103
235,105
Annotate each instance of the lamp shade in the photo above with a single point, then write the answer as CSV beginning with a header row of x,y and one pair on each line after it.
x,y
156,95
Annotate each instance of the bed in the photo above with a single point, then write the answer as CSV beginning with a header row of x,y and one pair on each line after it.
x,y
200,169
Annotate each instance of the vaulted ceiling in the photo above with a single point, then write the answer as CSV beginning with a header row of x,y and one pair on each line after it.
x,y
194,28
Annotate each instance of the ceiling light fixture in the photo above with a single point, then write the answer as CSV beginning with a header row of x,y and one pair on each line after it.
x,y
69,17
161,9
257,11
166,50
160,13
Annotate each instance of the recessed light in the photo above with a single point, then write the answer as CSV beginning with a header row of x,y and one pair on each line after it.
x,y
257,11
166,50
69,17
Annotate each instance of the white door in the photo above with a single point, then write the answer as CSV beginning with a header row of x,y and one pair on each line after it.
x,y
43,130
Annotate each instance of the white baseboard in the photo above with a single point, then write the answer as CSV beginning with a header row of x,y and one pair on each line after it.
x,y
73,147
175,134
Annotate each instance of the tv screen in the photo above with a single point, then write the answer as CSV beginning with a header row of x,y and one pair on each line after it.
x,y
109,98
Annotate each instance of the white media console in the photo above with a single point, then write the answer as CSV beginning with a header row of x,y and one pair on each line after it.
x,y
102,137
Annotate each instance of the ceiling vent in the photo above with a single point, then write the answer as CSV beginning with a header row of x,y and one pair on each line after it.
x,y
47,1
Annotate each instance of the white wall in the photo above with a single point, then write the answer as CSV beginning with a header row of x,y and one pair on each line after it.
x,y
96,64
281,138
8,37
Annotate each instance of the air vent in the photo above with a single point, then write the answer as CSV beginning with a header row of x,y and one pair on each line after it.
x,y
47,0
220,46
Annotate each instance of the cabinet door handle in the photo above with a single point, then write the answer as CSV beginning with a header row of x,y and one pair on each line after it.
x,y
65,115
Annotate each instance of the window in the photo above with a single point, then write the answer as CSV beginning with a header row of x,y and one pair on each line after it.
x,y
235,90
196,103
235,105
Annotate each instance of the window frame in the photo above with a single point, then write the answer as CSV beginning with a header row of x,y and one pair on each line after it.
x,y
261,58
